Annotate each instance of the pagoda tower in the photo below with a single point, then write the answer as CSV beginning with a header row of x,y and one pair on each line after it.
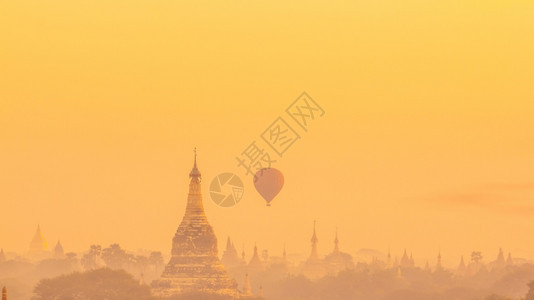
x,y
38,245
255,263
194,265
314,256
500,262
439,266
314,267
405,261
59,253
4,293
509,260
338,260
247,290
462,268
230,258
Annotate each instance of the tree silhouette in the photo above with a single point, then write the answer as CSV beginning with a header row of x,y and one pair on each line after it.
x,y
90,260
92,285
141,262
476,256
156,259
115,257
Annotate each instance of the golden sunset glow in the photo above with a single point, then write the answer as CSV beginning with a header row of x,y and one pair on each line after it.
x,y
427,141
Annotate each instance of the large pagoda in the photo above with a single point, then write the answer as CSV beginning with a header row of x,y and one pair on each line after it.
x,y
194,265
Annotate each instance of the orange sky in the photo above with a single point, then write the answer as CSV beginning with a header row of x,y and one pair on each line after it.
x,y
427,142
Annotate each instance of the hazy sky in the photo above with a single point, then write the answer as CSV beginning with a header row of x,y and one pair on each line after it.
x,y
427,142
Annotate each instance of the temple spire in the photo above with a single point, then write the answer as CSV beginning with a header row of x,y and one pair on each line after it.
x,y
194,208
439,267
462,268
500,257
314,241
4,293
336,243
509,261
58,251
247,291
255,265
194,245
195,173
38,243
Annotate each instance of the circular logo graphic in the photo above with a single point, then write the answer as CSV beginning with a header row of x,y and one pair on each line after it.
x,y
226,190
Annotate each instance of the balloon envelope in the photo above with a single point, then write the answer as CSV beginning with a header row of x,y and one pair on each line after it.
x,y
268,182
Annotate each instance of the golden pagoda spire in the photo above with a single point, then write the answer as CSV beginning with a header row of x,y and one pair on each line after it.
x,y
194,244
38,243
195,172
195,208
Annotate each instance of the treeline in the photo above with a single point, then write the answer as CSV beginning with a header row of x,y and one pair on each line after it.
x,y
416,284
105,284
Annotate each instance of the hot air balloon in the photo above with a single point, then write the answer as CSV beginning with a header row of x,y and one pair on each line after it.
x,y
268,182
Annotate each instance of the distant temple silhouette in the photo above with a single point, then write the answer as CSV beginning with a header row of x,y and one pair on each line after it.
x,y
315,267
59,253
314,255
38,246
255,264
230,256
194,265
